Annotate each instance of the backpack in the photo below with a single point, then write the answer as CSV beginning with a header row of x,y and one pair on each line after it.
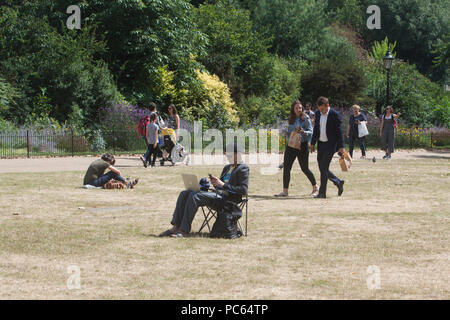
x,y
225,226
142,126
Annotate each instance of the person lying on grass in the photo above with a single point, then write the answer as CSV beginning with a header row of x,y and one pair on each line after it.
x,y
231,186
95,173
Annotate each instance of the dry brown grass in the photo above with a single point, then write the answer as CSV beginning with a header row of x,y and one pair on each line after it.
x,y
394,215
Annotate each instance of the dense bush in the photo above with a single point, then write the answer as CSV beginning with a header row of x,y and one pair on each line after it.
x,y
215,105
276,86
343,82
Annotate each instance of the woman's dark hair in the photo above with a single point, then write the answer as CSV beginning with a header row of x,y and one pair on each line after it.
x,y
292,115
152,106
109,158
153,117
174,109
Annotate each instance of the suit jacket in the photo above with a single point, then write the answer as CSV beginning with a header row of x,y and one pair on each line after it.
x,y
334,129
237,186
233,190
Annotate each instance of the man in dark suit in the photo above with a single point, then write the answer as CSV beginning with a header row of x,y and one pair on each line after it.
x,y
230,187
330,138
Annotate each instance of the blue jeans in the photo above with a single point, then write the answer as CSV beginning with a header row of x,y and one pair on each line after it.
x,y
100,182
187,205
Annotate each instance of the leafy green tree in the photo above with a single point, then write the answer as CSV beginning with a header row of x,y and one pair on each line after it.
x,y
421,101
416,27
335,46
8,96
233,49
442,57
296,27
51,68
140,37
347,12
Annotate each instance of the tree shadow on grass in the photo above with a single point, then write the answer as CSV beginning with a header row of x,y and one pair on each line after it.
x,y
267,197
433,157
191,235
126,158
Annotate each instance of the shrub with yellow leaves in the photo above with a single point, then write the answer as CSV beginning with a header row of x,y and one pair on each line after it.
x,y
215,99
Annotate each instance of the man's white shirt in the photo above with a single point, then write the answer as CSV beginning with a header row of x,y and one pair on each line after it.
x,y
323,126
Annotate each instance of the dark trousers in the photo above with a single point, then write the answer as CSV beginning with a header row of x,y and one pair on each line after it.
x,y
325,152
361,142
100,182
302,156
188,203
148,149
152,153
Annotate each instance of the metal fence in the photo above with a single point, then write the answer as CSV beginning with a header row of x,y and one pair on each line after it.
x,y
30,143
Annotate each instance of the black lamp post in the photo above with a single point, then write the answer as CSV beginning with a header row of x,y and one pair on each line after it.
x,y
388,60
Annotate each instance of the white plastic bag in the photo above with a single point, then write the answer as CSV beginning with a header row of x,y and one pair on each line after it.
x,y
362,129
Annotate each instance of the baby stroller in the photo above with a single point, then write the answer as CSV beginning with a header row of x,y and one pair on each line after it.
x,y
173,151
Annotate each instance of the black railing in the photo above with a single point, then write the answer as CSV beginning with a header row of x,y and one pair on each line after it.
x,y
29,143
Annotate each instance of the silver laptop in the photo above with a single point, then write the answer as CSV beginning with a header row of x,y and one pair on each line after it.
x,y
190,182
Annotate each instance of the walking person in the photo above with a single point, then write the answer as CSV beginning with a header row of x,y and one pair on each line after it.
x,y
329,138
142,130
355,120
298,122
152,137
173,121
387,131
310,112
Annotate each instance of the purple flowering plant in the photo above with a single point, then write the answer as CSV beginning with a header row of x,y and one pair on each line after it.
x,y
122,116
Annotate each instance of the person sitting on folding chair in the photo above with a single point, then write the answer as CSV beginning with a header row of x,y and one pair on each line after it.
x,y
231,186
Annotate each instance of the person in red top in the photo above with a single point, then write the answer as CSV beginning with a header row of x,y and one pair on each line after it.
x,y
143,134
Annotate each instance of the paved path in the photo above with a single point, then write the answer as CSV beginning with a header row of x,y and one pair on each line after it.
x,y
81,163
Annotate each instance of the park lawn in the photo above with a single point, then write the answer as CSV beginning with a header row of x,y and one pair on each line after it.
x,y
393,214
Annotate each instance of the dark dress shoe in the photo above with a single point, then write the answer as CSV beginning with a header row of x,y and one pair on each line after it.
x,y
166,233
320,196
341,188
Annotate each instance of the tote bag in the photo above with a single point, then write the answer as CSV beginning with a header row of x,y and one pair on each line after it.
x,y
295,140
362,130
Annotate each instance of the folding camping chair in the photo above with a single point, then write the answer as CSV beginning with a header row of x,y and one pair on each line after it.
x,y
210,213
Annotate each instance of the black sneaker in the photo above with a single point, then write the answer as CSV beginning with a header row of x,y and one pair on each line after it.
x,y
341,188
143,161
320,196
